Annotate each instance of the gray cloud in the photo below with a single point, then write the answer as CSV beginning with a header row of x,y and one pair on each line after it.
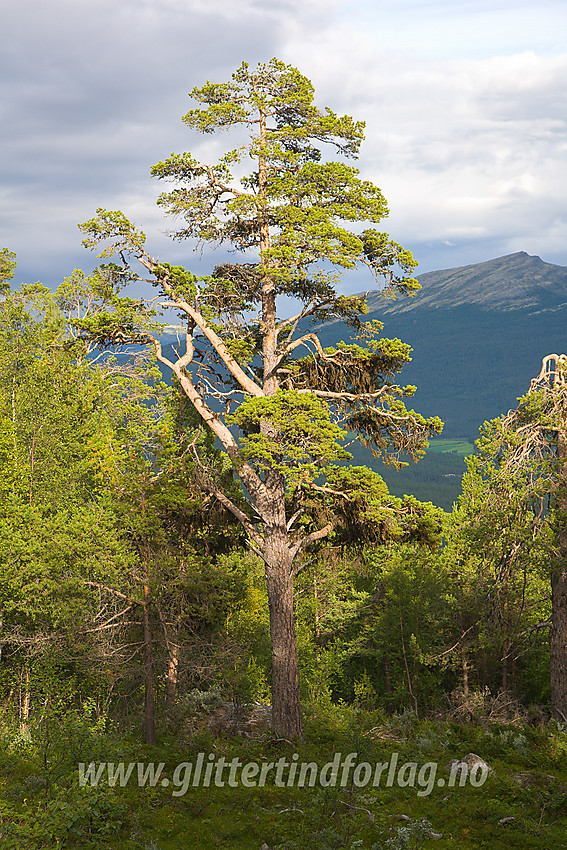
x,y
92,95
468,146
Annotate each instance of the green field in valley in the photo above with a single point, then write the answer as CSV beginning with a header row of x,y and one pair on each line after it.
x,y
435,478
460,447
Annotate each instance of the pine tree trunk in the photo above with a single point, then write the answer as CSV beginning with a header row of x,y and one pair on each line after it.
x,y
173,646
558,639
149,698
558,631
387,676
505,651
465,669
286,705
172,674
316,604
25,702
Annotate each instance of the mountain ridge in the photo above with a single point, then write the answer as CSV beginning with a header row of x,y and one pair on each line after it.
x,y
478,334
512,282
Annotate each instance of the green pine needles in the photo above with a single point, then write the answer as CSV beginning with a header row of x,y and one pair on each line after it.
x,y
277,401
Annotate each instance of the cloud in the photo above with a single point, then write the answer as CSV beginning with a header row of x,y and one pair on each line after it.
x,y
463,150
467,141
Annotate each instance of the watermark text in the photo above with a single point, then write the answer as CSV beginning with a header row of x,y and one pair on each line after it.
x,y
287,772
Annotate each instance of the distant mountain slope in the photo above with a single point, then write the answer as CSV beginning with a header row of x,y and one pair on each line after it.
x,y
478,332
514,282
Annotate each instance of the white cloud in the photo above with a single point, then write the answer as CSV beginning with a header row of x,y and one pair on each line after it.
x,y
461,148
464,104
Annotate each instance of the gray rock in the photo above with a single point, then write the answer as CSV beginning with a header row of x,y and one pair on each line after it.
x,y
468,763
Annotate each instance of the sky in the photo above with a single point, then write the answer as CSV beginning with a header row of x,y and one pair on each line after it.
x,y
465,106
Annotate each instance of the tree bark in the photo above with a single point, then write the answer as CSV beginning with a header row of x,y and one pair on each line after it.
x,y
25,701
558,643
316,604
149,686
173,657
558,631
505,651
172,674
286,703
465,669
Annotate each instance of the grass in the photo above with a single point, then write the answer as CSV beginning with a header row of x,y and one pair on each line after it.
x,y
460,447
522,803
436,478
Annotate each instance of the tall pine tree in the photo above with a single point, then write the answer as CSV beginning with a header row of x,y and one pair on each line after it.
x,y
279,403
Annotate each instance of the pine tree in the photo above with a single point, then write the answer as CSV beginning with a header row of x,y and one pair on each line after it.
x,y
298,220
516,503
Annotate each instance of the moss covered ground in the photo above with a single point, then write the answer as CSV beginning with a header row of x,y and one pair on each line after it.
x,y
521,803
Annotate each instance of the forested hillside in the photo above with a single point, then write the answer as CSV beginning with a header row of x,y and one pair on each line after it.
x,y
131,603
478,335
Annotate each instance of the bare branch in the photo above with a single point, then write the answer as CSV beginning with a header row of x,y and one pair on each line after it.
x,y
344,396
312,337
247,384
244,520
306,541
114,592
